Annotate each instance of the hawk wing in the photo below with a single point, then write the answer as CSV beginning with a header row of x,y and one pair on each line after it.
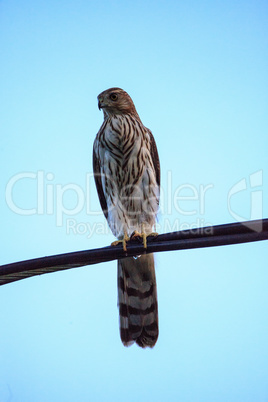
x,y
155,157
97,177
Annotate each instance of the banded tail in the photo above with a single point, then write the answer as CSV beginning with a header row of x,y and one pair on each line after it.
x,y
137,300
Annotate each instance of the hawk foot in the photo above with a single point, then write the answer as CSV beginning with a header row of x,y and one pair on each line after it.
x,y
143,236
123,241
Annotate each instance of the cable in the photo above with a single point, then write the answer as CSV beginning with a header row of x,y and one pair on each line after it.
x,y
211,236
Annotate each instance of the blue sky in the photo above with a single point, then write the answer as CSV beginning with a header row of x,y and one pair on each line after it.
x,y
197,72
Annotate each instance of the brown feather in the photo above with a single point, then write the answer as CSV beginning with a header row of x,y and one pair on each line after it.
x,y
97,177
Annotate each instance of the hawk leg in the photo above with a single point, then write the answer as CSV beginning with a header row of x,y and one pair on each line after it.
x,y
123,241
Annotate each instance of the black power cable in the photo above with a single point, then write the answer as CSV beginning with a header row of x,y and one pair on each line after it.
x,y
220,235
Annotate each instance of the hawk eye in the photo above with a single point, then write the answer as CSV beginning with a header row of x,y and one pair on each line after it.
x,y
113,97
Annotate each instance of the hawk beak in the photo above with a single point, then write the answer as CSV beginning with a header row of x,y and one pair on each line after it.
x,y
100,103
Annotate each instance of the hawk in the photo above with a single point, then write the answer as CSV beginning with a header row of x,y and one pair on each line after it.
x,y
127,176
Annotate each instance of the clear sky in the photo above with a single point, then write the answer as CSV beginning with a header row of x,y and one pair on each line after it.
x,y
197,72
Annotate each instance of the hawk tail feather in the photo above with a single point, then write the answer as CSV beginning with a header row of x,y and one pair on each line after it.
x,y
137,300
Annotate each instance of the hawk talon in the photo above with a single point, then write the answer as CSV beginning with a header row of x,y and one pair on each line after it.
x,y
153,234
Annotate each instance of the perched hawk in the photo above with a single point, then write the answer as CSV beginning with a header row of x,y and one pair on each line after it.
x,y
127,175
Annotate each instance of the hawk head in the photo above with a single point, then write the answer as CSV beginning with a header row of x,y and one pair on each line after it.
x,y
116,101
